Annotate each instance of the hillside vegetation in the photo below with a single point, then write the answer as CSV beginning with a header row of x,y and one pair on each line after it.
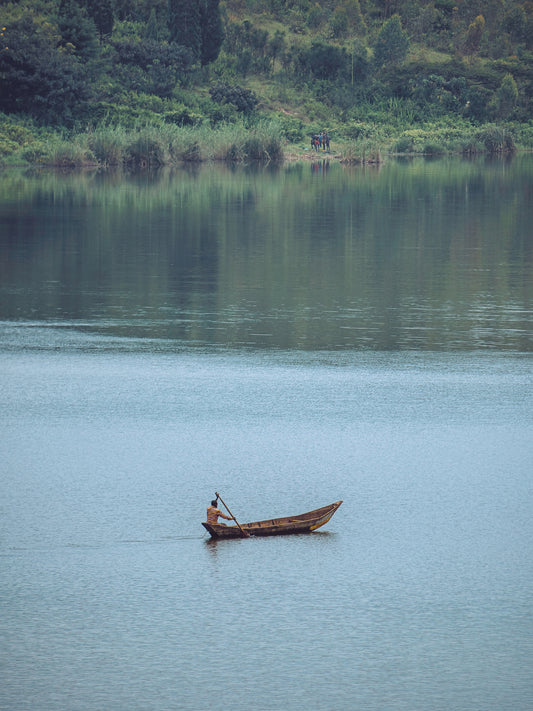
x,y
152,82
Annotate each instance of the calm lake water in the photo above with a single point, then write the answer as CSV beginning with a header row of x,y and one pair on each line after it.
x,y
289,338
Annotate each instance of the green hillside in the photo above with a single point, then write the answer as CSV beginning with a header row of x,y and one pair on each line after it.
x,y
160,81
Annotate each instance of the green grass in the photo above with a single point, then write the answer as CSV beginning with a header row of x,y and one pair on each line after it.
x,y
150,146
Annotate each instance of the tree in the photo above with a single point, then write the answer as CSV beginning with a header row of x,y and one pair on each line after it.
x,y
514,23
196,24
37,78
354,16
243,99
321,60
150,66
388,7
392,43
101,11
151,31
474,35
211,31
77,30
184,24
124,9
276,46
507,96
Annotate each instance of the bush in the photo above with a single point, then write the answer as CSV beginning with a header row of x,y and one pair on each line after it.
x,y
38,78
151,66
290,128
182,116
433,149
13,137
496,140
392,43
243,99
364,152
145,151
107,145
404,144
34,154
145,53
321,60
262,143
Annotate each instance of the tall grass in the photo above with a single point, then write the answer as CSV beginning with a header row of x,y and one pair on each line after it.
x,y
63,152
151,147
361,152
169,144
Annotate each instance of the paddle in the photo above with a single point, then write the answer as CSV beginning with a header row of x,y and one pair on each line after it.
x,y
244,533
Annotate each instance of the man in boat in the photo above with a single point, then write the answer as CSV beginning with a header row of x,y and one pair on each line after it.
x,y
213,513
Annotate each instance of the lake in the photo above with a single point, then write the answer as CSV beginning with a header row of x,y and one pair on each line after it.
x,y
288,337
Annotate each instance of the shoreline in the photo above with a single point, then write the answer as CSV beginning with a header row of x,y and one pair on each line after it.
x,y
289,156
165,146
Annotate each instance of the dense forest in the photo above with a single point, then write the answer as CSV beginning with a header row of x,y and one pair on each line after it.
x,y
181,78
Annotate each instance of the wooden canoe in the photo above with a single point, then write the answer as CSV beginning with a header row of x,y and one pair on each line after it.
x,y
304,523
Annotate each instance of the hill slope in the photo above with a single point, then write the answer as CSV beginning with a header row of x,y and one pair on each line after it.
x,y
416,75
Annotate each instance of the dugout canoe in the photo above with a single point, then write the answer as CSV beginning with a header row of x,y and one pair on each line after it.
x,y
303,523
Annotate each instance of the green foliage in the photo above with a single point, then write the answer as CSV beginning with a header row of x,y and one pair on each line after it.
x,y
474,35
145,151
152,31
321,60
261,143
107,145
382,80
78,32
496,140
14,137
250,47
291,129
212,34
347,19
507,96
101,12
244,100
150,66
37,78
392,43
184,25
196,24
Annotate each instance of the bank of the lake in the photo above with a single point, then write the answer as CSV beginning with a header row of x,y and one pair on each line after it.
x,y
266,141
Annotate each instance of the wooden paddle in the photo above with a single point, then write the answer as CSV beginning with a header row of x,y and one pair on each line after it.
x,y
244,533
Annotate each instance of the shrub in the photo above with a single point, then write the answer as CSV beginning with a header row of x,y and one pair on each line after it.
x,y
321,60
13,137
433,149
192,153
58,151
34,154
182,116
361,153
38,78
496,140
107,145
507,96
392,43
404,144
472,147
243,99
145,151
262,143
151,66
292,129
